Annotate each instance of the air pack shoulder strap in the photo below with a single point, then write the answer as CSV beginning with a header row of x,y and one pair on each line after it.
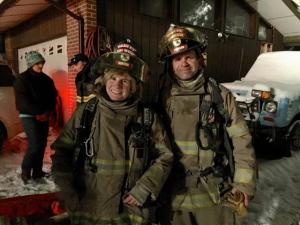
x,y
88,114
217,99
82,149
218,102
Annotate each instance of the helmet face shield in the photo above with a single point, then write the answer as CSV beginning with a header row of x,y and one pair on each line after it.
x,y
181,39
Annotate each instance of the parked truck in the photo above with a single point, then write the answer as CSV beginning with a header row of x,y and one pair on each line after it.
x,y
269,98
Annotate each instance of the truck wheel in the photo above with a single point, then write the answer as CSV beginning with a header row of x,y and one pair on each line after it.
x,y
294,138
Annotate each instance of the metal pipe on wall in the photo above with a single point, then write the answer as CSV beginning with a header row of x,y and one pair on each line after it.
x,y
76,17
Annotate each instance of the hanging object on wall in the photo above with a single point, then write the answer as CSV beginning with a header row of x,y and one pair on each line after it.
x,y
266,47
222,36
98,42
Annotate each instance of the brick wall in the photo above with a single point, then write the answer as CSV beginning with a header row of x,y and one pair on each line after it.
x,y
87,10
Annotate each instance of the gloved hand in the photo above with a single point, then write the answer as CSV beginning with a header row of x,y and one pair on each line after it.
x,y
235,200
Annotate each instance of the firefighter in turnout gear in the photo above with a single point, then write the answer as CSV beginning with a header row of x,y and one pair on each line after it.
x,y
112,171
214,172
84,80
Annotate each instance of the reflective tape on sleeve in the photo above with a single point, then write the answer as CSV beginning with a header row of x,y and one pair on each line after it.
x,y
244,176
192,201
188,147
113,167
161,147
81,99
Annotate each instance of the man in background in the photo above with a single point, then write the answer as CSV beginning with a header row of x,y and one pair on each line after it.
x,y
84,81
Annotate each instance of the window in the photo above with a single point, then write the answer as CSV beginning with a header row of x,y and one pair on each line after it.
x,y
155,8
198,12
237,19
262,32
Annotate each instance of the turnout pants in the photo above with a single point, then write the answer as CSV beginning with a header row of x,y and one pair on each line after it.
x,y
215,215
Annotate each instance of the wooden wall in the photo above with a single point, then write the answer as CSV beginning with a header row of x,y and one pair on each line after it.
x,y
122,19
47,25
227,60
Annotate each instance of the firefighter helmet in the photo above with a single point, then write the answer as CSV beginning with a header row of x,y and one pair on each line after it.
x,y
124,61
179,39
126,46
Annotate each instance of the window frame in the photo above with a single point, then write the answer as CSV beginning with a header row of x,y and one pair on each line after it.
x,y
252,19
164,11
216,19
269,31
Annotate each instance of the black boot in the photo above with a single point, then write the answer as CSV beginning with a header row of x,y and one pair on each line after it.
x,y
25,176
39,174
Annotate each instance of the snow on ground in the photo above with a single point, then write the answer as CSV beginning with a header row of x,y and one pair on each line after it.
x,y
277,201
11,184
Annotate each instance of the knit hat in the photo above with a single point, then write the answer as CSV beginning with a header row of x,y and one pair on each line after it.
x,y
33,57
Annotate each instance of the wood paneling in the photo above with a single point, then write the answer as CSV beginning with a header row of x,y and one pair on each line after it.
x,y
47,25
228,59
277,41
124,20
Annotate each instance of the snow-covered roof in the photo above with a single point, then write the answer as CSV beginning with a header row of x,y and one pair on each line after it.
x,y
281,67
280,90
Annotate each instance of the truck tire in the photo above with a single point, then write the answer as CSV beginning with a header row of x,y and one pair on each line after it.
x,y
294,138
